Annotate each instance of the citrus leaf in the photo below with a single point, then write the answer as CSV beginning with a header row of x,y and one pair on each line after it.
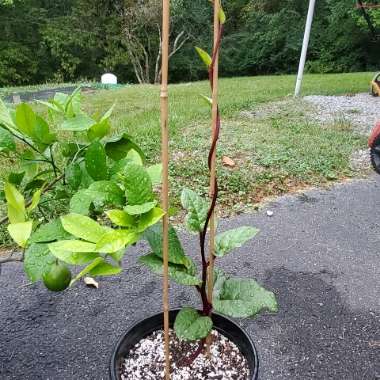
x,y
138,185
78,123
35,200
118,147
20,232
83,227
229,240
73,175
7,142
150,218
25,119
71,246
49,232
135,157
5,117
117,256
16,204
105,269
99,130
206,99
100,193
16,178
108,192
37,261
116,240
190,325
81,201
41,133
121,218
140,209
74,258
96,161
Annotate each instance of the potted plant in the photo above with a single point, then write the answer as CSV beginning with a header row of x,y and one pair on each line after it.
x,y
84,166
113,205
204,343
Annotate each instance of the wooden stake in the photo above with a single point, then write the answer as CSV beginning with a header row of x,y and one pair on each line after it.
x,y
165,174
211,257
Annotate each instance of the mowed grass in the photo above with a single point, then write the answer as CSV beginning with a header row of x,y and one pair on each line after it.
x,y
274,154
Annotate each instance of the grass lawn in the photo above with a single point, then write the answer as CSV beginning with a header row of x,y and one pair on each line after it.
x,y
274,154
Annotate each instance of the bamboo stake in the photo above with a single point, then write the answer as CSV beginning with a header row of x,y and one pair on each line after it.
x,y
165,175
211,257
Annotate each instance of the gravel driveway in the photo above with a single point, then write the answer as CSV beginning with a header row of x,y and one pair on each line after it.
x,y
360,110
319,253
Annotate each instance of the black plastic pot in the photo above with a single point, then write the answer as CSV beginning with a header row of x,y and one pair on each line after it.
x,y
147,326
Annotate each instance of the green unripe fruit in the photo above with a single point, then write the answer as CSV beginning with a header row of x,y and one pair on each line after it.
x,y
58,278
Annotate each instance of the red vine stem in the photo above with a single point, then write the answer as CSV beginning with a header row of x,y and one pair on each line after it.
x,y
207,307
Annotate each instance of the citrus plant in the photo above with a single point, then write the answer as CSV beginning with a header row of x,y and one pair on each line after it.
x,y
102,177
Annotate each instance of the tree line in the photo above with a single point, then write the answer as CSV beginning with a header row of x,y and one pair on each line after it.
x,y
70,40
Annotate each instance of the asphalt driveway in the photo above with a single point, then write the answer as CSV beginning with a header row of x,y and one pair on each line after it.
x,y
319,252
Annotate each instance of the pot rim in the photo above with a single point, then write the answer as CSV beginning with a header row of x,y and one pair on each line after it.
x,y
136,322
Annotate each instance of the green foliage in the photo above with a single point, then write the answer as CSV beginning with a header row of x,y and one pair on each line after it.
x,y
7,142
16,204
205,57
241,298
190,325
118,147
178,273
122,37
197,209
138,186
176,253
229,240
37,261
140,209
83,227
79,177
49,232
96,161
20,232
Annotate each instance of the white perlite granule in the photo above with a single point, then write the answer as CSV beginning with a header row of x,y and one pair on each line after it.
x,y
146,360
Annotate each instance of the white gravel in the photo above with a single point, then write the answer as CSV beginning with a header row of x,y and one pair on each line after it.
x,y
146,360
362,111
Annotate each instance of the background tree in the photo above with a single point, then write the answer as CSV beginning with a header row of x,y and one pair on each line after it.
x,y
43,40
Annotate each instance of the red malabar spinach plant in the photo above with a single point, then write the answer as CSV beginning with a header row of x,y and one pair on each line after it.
x,y
235,297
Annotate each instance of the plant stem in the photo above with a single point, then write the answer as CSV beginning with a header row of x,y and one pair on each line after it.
x,y
25,142
188,361
46,159
215,126
52,161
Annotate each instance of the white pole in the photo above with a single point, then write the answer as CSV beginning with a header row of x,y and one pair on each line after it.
x,y
305,45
